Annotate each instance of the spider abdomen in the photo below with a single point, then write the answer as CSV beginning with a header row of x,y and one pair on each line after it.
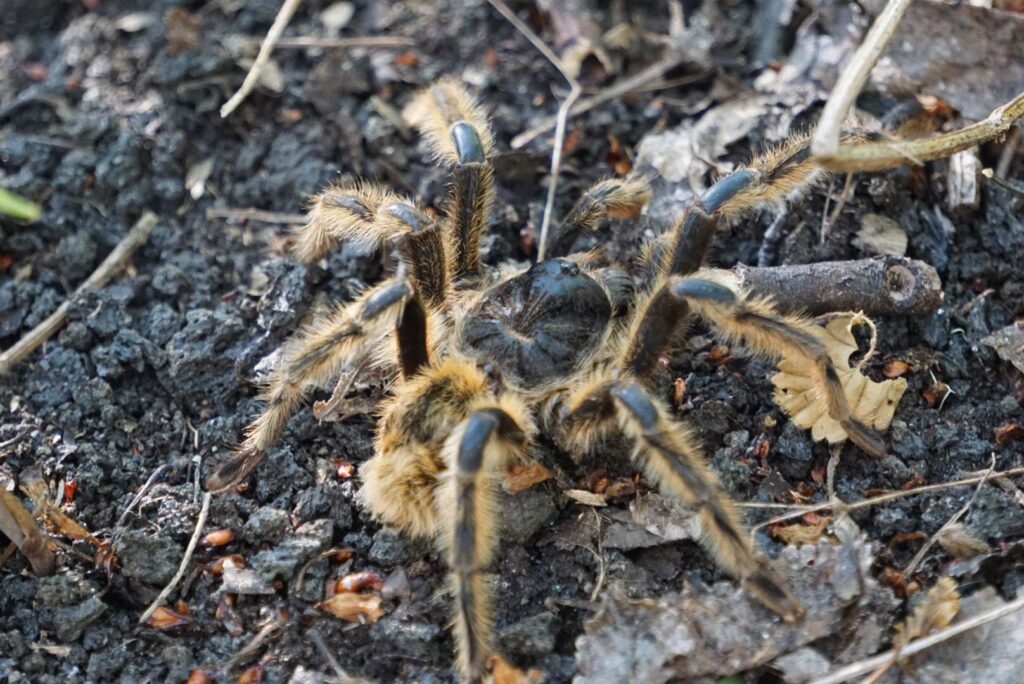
x,y
539,325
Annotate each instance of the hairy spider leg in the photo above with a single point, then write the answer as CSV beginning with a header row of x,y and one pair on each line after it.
x,y
668,453
478,453
372,217
754,323
456,129
313,355
613,197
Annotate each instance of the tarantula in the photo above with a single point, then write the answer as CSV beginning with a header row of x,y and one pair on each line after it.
x,y
484,359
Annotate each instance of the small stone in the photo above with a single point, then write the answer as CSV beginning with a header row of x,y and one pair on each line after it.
x,y
533,636
266,524
148,558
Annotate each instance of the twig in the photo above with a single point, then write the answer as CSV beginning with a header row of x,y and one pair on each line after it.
x,y
135,238
877,156
1009,150
166,591
255,215
626,85
356,41
284,15
919,556
562,116
339,673
918,645
138,497
826,137
882,286
799,510
270,629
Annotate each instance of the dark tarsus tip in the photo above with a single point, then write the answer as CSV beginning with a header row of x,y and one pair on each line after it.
x,y
471,449
386,298
866,438
638,403
409,215
725,189
696,288
467,143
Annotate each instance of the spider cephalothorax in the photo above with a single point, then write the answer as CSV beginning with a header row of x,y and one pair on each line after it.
x,y
537,327
482,359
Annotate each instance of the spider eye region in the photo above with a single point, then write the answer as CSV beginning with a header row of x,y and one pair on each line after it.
x,y
539,325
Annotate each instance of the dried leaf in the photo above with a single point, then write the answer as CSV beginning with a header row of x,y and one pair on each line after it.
x,y
503,672
360,608
1011,432
359,582
989,652
198,676
166,618
520,477
881,235
798,535
874,403
960,543
218,538
719,630
586,498
18,525
938,608
1009,344
895,368
35,487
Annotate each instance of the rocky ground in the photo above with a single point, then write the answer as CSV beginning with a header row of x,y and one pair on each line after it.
x,y
108,108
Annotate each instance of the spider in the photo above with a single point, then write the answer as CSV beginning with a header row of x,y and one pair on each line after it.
x,y
484,359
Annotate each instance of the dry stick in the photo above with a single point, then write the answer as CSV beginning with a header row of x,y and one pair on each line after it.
x,y
284,15
919,556
826,137
883,286
354,42
166,591
799,510
562,116
1009,150
918,645
255,215
877,156
135,238
627,85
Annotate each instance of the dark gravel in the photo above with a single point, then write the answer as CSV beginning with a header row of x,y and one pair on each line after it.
x,y
100,120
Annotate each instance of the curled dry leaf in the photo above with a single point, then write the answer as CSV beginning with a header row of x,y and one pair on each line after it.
x,y
520,477
582,496
800,534
351,607
938,608
218,538
1011,432
874,403
167,618
359,582
35,487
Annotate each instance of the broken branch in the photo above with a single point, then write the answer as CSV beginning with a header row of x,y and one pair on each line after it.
x,y
166,591
877,156
284,15
826,137
135,238
879,287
